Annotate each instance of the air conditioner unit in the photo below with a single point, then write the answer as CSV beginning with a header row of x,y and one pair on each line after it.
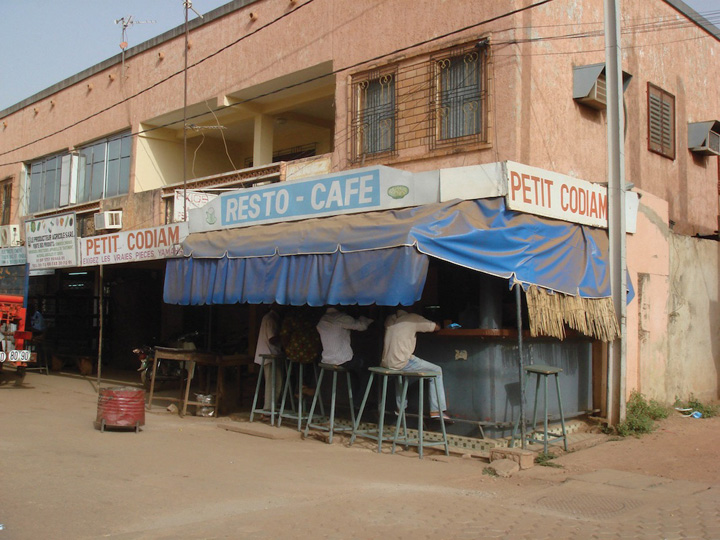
x,y
714,143
10,236
597,97
704,138
108,220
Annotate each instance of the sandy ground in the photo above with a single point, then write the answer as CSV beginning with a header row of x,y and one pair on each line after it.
x,y
187,478
681,448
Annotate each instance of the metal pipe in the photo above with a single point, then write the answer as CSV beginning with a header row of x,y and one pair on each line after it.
x,y
188,5
521,362
100,338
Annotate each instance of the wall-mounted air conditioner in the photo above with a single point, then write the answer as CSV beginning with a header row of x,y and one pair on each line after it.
x,y
704,138
590,85
108,220
597,97
10,236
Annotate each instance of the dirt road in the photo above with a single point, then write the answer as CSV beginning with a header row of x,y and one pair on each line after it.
x,y
184,478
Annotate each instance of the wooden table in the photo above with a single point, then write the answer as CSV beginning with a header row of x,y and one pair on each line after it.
x,y
192,358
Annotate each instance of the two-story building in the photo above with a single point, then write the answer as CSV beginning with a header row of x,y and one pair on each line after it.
x,y
491,116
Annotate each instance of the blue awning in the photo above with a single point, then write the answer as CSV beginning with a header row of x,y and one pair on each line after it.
x,y
381,257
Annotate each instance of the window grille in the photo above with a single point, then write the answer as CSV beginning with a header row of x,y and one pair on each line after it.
x,y
374,115
458,100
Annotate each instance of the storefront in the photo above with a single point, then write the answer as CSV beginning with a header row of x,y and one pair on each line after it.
x,y
107,285
427,238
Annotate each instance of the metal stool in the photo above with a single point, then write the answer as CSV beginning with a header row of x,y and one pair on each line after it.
x,y
420,441
331,427
286,388
378,435
544,372
273,358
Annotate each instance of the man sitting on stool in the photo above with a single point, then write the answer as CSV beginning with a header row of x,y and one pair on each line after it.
x,y
334,328
398,348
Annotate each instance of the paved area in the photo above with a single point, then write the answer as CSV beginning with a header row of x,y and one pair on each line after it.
x,y
186,478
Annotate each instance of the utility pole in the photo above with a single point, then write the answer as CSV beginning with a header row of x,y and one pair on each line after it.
x,y
617,350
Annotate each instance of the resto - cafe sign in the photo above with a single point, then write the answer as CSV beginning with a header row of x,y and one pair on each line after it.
x,y
357,190
132,246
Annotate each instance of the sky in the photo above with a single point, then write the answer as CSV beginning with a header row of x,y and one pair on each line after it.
x,y
43,42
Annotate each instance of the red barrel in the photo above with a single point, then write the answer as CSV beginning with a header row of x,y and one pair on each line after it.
x,y
121,406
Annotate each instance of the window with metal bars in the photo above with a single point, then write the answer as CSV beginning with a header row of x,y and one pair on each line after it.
x,y
458,102
374,114
661,121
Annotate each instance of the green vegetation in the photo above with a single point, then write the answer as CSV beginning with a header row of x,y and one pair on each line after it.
x,y
544,460
489,471
693,404
641,415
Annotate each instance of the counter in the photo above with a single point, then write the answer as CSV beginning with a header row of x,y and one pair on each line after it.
x,y
480,371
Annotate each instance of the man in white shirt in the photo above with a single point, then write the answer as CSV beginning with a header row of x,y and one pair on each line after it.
x,y
269,343
398,348
334,328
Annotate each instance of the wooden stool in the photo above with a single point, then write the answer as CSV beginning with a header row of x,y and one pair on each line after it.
x,y
273,358
331,427
543,371
378,435
420,441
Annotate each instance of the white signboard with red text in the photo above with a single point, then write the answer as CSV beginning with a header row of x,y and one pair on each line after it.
x,y
558,196
133,246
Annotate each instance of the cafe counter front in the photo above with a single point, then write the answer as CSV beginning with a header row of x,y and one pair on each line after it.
x,y
480,372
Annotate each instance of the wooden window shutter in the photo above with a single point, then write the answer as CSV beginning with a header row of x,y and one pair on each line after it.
x,y
661,122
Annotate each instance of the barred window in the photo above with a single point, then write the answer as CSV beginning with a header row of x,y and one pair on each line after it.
x,y
661,122
458,98
374,115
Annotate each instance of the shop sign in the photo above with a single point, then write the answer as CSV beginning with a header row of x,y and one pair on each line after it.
x,y
51,242
133,246
194,198
12,256
558,196
359,190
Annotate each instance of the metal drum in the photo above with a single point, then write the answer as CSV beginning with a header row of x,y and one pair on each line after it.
x,y
121,406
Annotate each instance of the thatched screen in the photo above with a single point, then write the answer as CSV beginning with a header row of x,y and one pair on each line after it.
x,y
550,311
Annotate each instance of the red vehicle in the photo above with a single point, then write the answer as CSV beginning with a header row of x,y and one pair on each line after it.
x,y
13,336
